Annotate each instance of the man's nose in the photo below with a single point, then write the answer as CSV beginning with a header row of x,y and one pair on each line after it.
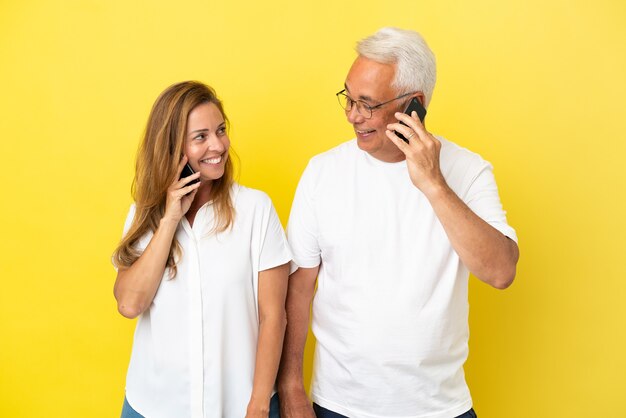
x,y
354,116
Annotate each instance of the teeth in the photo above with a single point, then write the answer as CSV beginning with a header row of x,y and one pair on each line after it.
x,y
214,160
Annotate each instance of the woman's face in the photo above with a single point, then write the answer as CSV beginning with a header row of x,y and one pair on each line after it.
x,y
206,142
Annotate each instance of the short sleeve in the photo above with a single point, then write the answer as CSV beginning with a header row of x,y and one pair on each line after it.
x,y
274,247
483,199
142,243
129,221
302,228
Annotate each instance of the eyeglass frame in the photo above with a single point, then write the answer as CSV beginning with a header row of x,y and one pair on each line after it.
x,y
368,107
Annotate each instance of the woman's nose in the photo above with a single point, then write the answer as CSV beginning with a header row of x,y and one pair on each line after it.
x,y
216,143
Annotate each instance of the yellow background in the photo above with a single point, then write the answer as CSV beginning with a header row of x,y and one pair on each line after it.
x,y
536,87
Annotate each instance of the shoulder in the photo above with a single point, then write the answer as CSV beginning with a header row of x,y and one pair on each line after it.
x,y
132,209
341,152
454,151
330,164
130,216
455,157
461,167
246,197
323,170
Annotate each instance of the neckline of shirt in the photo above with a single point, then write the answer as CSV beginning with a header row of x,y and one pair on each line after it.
x,y
379,163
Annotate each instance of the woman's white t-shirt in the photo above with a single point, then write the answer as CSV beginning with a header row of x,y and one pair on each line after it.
x,y
194,348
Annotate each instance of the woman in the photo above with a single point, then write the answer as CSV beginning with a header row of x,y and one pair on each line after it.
x,y
204,265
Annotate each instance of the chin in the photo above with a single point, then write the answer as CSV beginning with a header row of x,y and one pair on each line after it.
x,y
368,144
215,175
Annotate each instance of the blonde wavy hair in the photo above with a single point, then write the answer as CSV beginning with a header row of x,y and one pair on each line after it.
x,y
158,157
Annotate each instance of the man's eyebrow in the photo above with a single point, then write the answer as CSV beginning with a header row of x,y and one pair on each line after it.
x,y
362,97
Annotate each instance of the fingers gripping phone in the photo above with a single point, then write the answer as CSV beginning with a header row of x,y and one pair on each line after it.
x,y
414,105
188,171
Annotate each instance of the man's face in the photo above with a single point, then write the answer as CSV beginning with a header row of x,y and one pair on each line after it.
x,y
370,81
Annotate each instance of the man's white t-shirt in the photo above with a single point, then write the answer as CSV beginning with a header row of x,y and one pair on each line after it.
x,y
194,348
391,312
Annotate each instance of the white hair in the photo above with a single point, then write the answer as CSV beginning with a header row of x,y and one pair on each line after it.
x,y
415,62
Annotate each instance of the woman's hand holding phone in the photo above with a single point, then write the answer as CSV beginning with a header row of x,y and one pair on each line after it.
x,y
181,193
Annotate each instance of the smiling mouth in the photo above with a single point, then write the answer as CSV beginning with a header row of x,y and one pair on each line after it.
x,y
364,132
213,160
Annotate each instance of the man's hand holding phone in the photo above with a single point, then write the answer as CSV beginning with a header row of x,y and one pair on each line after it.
x,y
414,106
421,149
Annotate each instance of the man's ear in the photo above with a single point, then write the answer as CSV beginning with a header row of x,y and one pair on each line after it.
x,y
421,97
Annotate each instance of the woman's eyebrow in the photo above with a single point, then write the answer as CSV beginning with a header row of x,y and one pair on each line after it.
x,y
199,130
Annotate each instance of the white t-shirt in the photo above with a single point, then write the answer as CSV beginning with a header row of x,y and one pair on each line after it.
x,y
194,348
390,313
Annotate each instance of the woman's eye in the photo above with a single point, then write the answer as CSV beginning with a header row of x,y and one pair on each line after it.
x,y
221,131
200,136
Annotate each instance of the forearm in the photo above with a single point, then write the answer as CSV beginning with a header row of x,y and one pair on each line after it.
x,y
269,347
136,285
299,296
488,254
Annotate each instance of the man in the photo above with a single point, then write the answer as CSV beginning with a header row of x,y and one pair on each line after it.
x,y
393,230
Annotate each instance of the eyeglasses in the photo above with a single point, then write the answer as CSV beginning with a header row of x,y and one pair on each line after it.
x,y
365,110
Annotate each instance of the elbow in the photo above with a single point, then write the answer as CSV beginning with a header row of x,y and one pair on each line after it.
x,y
129,305
126,306
129,310
505,274
281,321
277,321
502,283
504,279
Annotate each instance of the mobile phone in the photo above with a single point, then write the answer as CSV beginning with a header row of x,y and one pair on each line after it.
x,y
414,105
187,171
